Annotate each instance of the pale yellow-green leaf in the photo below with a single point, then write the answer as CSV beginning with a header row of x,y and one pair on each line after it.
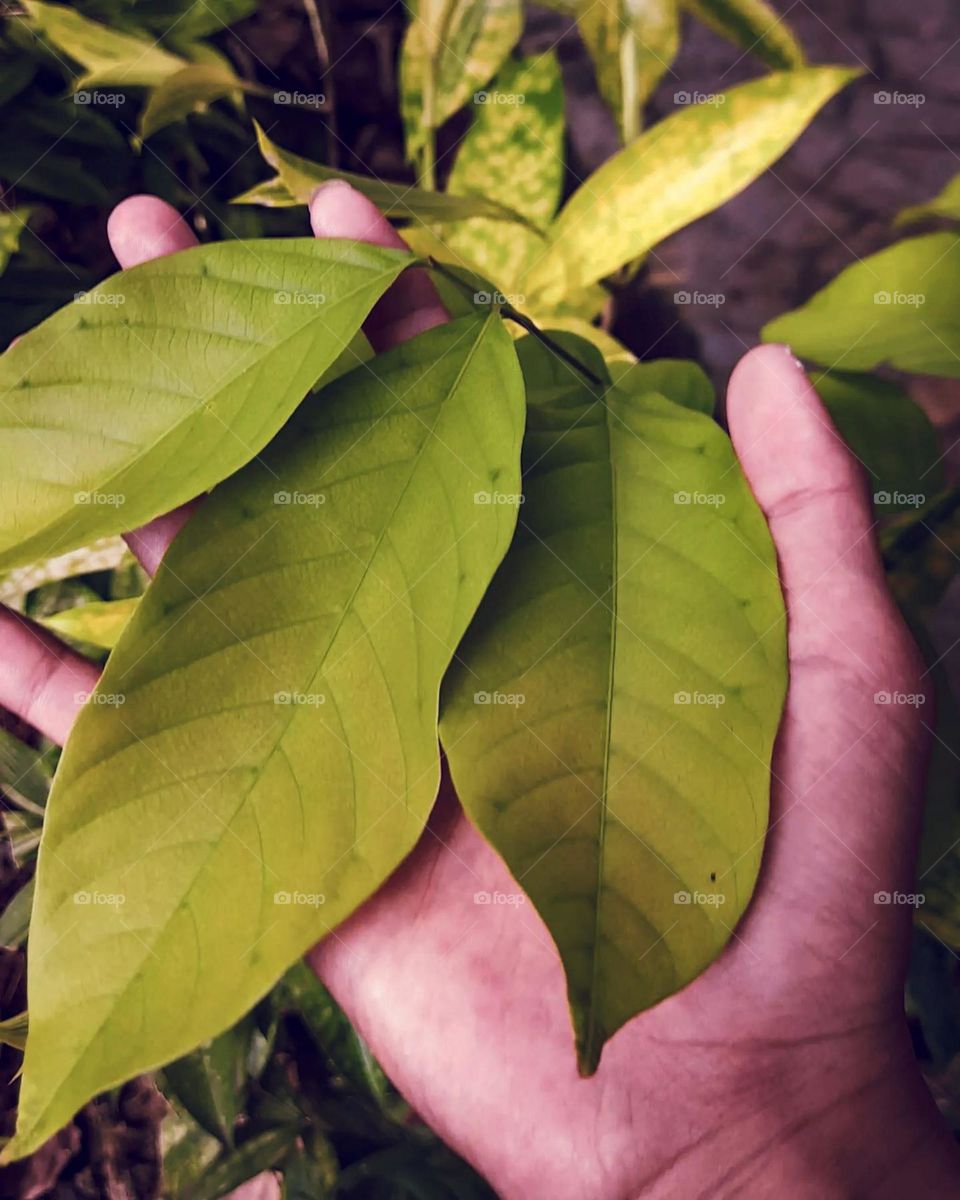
x,y
632,44
100,623
261,751
945,205
682,168
107,55
298,178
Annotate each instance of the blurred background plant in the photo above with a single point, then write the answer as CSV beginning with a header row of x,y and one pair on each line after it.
x,y
443,111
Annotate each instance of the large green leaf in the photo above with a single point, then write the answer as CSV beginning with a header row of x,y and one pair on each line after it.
x,y
679,380
451,48
680,169
516,150
900,306
754,26
261,751
298,178
108,56
889,433
610,719
166,378
632,44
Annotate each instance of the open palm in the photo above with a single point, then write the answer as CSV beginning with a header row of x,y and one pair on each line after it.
x,y
785,1058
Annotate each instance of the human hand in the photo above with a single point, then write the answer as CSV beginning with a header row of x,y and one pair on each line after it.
x,y
789,1054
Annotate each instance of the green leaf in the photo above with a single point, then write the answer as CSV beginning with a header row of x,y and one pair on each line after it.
x,y
188,1151
302,991
632,44
900,307
15,918
107,55
247,773
610,718
512,149
298,178
311,1176
945,206
451,48
753,26
13,1031
259,1153
889,433
195,361
681,381
13,222
685,166
192,89
210,1082
24,772
98,623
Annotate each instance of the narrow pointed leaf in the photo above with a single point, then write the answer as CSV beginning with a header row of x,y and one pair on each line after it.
x,y
685,166
298,178
261,751
900,307
754,26
108,56
193,363
610,718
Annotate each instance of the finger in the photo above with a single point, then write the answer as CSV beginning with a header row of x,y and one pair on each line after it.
x,y
139,229
847,763
142,228
44,682
412,305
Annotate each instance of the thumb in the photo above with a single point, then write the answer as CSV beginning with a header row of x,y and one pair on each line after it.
x,y
845,807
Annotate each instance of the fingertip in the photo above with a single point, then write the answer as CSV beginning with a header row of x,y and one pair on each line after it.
x,y
144,227
412,305
780,429
149,543
338,210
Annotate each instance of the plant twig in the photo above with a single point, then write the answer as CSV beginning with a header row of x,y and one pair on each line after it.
x,y
511,314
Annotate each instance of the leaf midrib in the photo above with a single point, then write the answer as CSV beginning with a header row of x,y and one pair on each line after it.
x,y
591,1030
